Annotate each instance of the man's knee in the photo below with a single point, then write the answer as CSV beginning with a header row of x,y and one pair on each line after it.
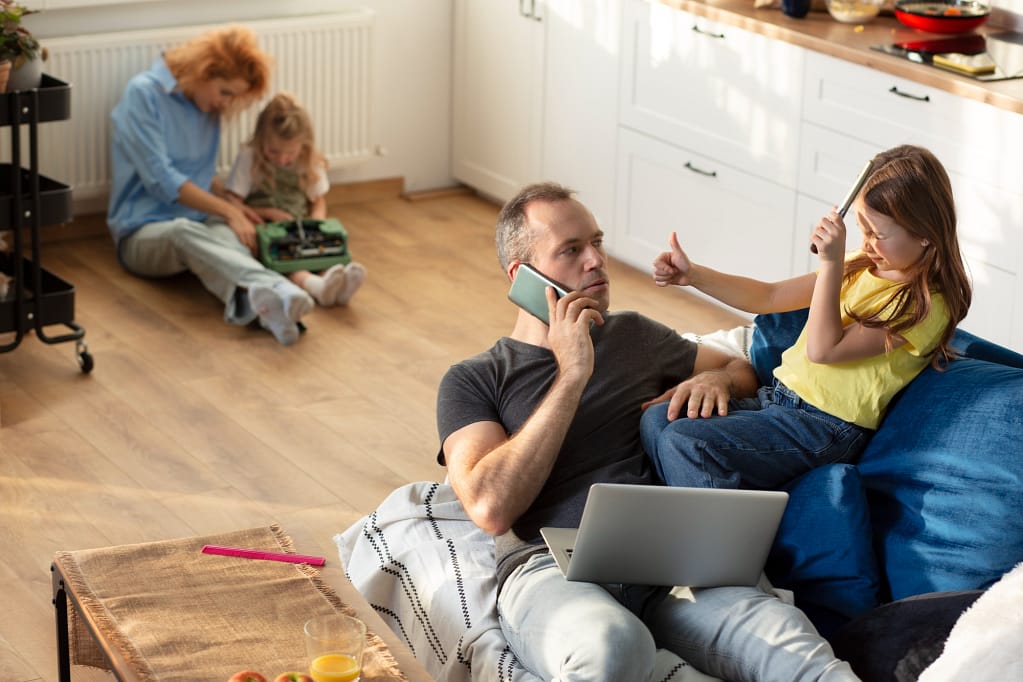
x,y
621,649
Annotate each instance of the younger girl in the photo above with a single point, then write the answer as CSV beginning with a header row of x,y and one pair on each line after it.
x,y
876,319
281,176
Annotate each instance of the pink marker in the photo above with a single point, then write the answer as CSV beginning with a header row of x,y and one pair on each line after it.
x,y
262,554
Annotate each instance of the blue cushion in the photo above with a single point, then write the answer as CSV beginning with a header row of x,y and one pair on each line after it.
x,y
972,346
943,473
823,551
772,335
943,477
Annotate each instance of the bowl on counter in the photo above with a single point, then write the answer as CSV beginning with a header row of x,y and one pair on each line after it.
x,y
854,11
953,16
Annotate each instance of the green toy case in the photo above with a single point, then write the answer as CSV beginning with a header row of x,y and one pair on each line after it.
x,y
291,245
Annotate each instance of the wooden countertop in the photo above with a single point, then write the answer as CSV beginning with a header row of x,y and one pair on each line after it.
x,y
819,32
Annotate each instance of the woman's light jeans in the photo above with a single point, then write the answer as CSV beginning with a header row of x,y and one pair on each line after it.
x,y
211,251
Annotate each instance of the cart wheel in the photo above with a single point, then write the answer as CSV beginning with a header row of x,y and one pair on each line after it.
x,y
85,361
84,357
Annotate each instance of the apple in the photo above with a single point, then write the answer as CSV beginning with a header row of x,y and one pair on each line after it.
x,y
293,677
247,676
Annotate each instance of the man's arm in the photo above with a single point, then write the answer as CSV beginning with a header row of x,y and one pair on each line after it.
x,y
497,477
717,377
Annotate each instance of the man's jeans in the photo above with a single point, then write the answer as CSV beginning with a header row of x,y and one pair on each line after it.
x,y
568,631
763,442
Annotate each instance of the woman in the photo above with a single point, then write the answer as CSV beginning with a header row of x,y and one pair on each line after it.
x,y
163,214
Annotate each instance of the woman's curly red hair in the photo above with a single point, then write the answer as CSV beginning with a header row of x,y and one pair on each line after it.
x,y
230,52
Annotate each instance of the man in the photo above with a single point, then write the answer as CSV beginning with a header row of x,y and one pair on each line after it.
x,y
529,425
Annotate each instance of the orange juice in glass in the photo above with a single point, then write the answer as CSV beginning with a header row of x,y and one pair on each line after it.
x,y
334,668
334,644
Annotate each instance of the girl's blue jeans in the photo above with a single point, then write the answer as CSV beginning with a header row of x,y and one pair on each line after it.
x,y
763,442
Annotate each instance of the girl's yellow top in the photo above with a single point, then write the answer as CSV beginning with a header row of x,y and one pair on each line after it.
x,y
859,391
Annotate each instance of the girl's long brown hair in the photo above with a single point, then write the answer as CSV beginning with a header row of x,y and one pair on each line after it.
x,y
910,186
284,118
230,52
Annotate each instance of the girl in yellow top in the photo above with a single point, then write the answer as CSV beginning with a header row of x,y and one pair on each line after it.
x,y
876,319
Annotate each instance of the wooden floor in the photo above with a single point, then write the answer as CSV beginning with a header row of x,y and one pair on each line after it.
x,y
190,426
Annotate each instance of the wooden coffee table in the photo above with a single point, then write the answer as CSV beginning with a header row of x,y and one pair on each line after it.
x,y
100,612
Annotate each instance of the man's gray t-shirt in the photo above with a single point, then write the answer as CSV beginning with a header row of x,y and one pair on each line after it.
x,y
635,359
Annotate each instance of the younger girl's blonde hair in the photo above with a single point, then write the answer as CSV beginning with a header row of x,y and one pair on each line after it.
x,y
285,119
228,53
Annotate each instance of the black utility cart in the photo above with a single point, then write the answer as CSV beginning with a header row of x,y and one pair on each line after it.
x,y
37,298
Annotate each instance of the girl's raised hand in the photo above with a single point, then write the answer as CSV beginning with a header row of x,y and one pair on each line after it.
x,y
829,237
672,267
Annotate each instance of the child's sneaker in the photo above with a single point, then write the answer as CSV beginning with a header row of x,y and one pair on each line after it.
x,y
279,308
355,274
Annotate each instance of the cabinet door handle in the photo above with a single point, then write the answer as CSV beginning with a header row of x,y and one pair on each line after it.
x,y
709,174
918,98
709,34
527,8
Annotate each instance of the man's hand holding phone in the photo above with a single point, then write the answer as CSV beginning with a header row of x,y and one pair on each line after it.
x,y
529,291
539,295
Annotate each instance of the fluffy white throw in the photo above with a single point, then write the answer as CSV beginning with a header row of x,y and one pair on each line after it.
x,y
986,643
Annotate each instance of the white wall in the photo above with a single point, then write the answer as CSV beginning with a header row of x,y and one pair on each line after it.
x,y
412,79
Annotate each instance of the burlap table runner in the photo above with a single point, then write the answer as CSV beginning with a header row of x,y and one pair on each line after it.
x,y
177,614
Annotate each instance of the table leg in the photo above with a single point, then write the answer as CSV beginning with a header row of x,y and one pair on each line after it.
x,y
60,611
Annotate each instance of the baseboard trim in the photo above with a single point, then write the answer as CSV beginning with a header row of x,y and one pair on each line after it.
x,y
439,193
367,190
80,227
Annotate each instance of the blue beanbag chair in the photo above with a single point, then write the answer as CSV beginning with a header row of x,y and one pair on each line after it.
x,y
944,474
940,480
824,551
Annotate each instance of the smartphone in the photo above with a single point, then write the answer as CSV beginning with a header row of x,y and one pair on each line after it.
x,y
851,196
529,291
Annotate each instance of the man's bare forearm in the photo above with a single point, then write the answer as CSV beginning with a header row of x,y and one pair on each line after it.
x,y
502,483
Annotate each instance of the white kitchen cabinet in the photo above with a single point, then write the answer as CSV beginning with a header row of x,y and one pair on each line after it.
x,y
536,96
719,90
852,112
497,91
708,143
725,218
580,121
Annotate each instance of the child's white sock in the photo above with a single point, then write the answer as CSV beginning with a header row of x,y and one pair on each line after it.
x,y
334,279
316,286
355,274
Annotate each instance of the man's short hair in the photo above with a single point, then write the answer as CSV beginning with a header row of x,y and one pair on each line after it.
x,y
514,239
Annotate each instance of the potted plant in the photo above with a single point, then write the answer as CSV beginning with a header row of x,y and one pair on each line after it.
x,y
19,48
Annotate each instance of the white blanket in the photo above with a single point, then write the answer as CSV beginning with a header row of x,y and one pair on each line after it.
x,y
430,574
986,643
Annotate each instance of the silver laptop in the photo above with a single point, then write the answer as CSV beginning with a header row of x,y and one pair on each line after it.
x,y
661,535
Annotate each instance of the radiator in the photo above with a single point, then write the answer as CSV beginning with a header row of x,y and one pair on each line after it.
x,y
324,60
